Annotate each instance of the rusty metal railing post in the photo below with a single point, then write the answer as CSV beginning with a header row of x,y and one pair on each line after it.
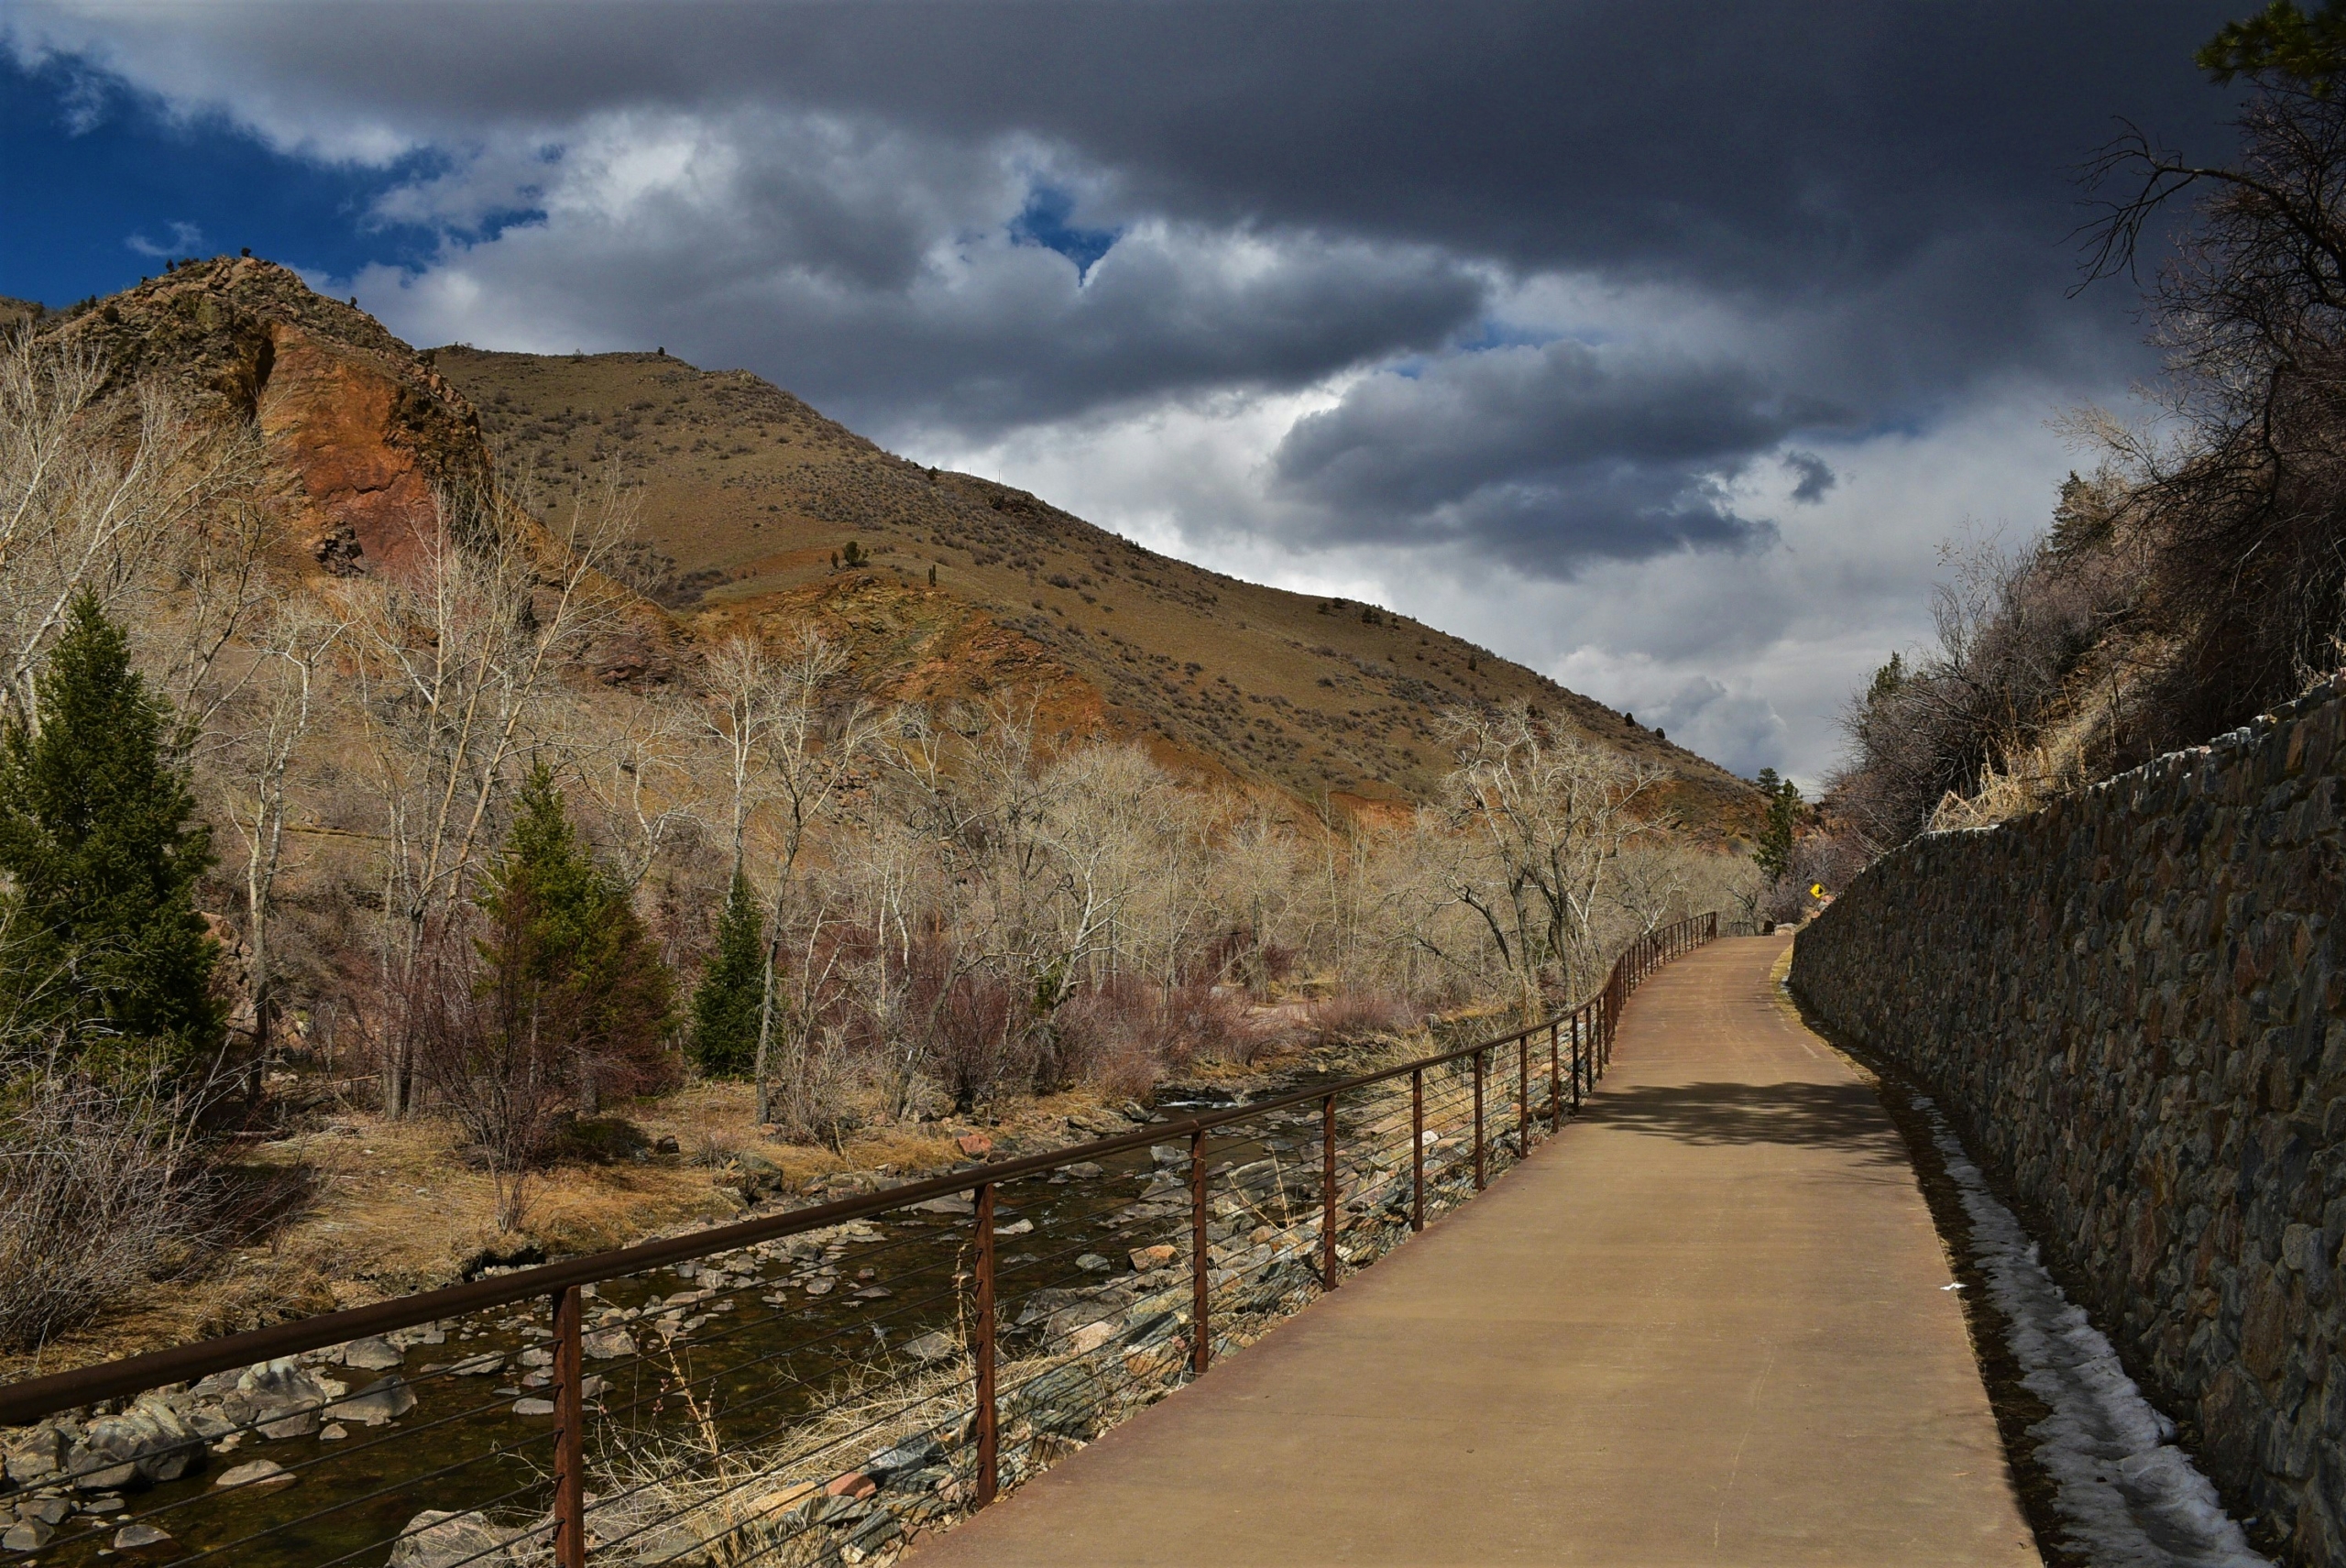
x,y
988,1417
569,1429
1200,1337
1417,1148
1328,1192
1478,1120
1523,1096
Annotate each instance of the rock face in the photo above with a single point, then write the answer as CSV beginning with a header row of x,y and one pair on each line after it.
x,y
362,437
360,432
2133,1004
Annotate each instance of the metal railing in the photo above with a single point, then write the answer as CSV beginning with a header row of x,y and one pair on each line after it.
x,y
739,1443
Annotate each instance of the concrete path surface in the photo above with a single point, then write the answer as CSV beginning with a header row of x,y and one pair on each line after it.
x,y
1707,1324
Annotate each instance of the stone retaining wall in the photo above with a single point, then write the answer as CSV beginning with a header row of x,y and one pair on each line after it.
x,y
2134,1005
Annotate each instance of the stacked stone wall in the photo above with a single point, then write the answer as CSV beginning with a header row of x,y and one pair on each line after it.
x,y
2133,1004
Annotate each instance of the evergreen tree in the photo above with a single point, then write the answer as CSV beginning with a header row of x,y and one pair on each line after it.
x,y
1774,853
725,1007
101,854
577,986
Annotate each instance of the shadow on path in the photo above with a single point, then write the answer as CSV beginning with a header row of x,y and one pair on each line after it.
x,y
1819,1115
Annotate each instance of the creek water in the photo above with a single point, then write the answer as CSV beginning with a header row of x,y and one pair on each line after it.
x,y
730,1354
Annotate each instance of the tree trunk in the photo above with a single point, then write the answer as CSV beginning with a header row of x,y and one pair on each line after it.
x,y
765,1036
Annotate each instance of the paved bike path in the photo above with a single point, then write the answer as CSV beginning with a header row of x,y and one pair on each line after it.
x,y
1705,1324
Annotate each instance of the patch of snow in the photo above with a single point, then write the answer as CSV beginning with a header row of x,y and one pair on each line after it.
x,y
2126,1493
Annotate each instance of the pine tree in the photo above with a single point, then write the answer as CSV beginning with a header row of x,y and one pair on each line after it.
x,y
569,965
1773,854
98,840
725,1007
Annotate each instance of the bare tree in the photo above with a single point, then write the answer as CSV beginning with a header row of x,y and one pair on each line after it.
x,y
91,485
1540,821
285,691
460,653
807,753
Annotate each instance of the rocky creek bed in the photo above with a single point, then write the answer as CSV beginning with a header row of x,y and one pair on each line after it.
x,y
802,1401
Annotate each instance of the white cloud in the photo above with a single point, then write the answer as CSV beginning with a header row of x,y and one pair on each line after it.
x,y
1255,375
186,240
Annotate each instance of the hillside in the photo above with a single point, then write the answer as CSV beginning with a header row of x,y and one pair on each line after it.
x,y
751,498
749,502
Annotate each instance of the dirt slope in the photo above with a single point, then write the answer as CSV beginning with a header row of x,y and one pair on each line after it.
x,y
751,500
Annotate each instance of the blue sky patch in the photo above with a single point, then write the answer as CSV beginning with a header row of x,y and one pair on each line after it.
x,y
99,187
1044,223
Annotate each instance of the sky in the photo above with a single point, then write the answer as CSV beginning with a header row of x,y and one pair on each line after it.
x,y
1663,348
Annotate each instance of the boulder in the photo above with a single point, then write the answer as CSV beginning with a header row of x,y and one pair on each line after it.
x,y
266,1473
433,1539
26,1535
143,1539
952,1203
608,1346
371,1354
34,1454
386,1399
150,1441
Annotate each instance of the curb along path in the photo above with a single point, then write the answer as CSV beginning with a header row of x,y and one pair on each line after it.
x,y
1707,1324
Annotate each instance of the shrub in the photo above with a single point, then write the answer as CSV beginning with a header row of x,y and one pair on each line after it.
x,y
99,1189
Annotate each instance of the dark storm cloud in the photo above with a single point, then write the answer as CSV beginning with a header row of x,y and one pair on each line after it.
x,y
1880,196
1547,456
1588,278
1778,153
1817,476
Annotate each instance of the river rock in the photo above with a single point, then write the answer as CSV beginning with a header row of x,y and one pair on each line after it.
x,y
266,1473
371,1354
533,1407
1167,1154
26,1535
143,1539
433,1539
1093,1263
34,1454
1090,1337
608,1346
932,1346
150,1441
952,1203
383,1400
1147,1257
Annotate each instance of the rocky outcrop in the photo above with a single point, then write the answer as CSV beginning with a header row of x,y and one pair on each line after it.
x,y
360,432
366,443
2133,1004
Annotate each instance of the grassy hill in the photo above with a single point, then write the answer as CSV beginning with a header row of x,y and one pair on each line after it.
x,y
751,499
